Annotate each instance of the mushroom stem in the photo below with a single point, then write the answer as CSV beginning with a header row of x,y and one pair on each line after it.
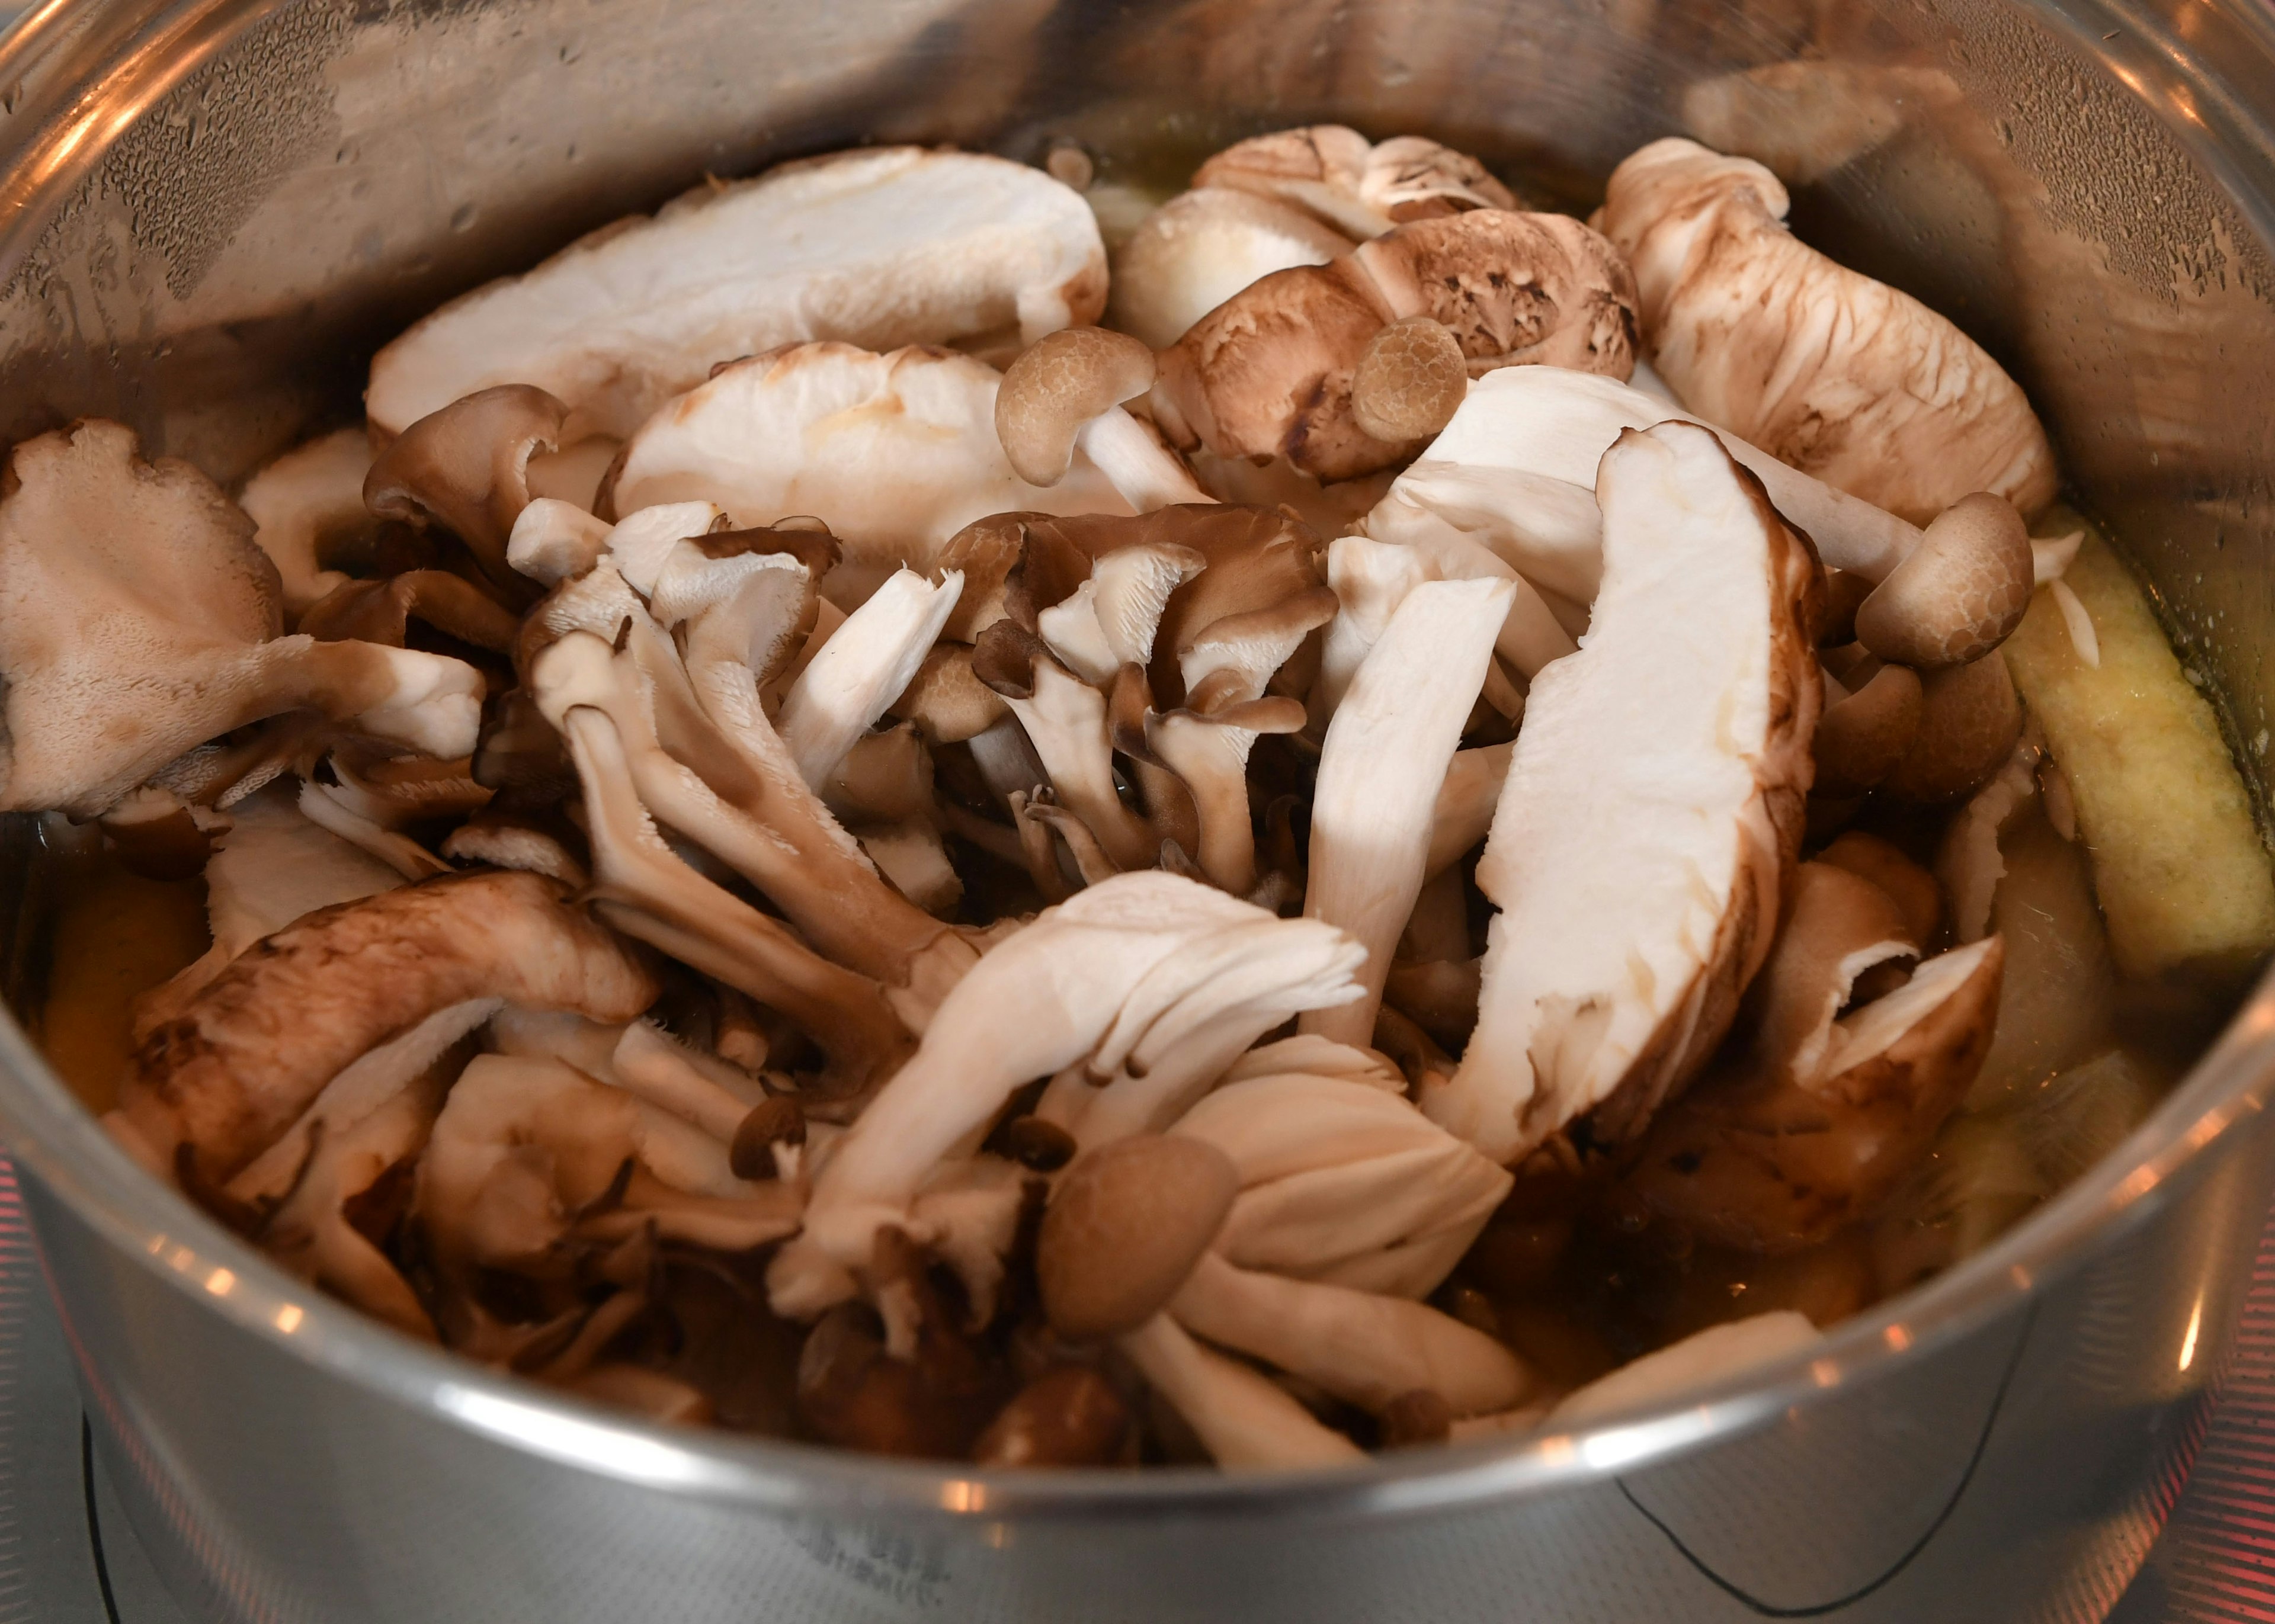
x,y
1360,1346
646,892
1382,769
864,668
1463,815
1243,1418
1147,473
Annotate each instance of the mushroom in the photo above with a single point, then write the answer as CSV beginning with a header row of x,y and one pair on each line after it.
x,y
1245,1420
300,502
1066,392
1382,768
878,247
1838,925
900,451
1065,719
706,761
554,540
1969,717
946,701
1069,1416
866,665
1465,810
1409,380
1865,736
1200,248
1125,1226
216,1083
1842,376
1960,593
382,611
1269,371
1612,970
1775,1163
1716,1355
1140,1007
1364,190
1514,474
142,622
466,466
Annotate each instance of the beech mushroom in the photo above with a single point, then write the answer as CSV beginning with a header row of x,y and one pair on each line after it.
x,y
1269,371
1969,717
140,622
1382,768
1959,593
1864,736
867,662
218,1082
878,247
1611,973
899,450
1844,377
1125,1226
1065,392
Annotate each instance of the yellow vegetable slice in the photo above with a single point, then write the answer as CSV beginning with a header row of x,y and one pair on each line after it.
x,y
2183,877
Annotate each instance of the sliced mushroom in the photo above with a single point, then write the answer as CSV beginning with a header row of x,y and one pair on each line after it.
x,y
1269,371
1844,377
1382,768
142,622
1613,970
898,450
553,541
879,247
224,1077
1065,392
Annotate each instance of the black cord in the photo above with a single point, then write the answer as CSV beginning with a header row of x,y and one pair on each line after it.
x,y
94,1521
1982,1443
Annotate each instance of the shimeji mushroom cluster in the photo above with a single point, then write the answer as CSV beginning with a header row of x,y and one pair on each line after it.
x,y
798,834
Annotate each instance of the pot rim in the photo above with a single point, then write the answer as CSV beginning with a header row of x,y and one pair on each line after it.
x,y
55,1139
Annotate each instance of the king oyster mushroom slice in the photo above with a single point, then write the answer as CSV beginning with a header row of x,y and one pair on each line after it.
x,y
1269,371
882,247
898,451
216,1084
302,501
1843,376
1121,981
1382,768
1775,1163
1614,968
138,621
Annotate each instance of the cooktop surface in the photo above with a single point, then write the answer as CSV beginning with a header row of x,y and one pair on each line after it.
x,y
68,1557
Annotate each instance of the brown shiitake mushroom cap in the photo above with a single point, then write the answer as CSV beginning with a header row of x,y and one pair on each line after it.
x,y
1970,718
1862,738
1960,593
1057,385
1126,1226
1409,380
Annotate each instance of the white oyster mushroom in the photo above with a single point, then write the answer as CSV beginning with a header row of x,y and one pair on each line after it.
x,y
882,247
866,664
1514,474
297,501
1614,967
1065,394
1370,580
1381,768
1106,967
898,451
1110,620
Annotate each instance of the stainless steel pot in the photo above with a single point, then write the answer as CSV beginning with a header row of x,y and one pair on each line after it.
x,y
211,209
